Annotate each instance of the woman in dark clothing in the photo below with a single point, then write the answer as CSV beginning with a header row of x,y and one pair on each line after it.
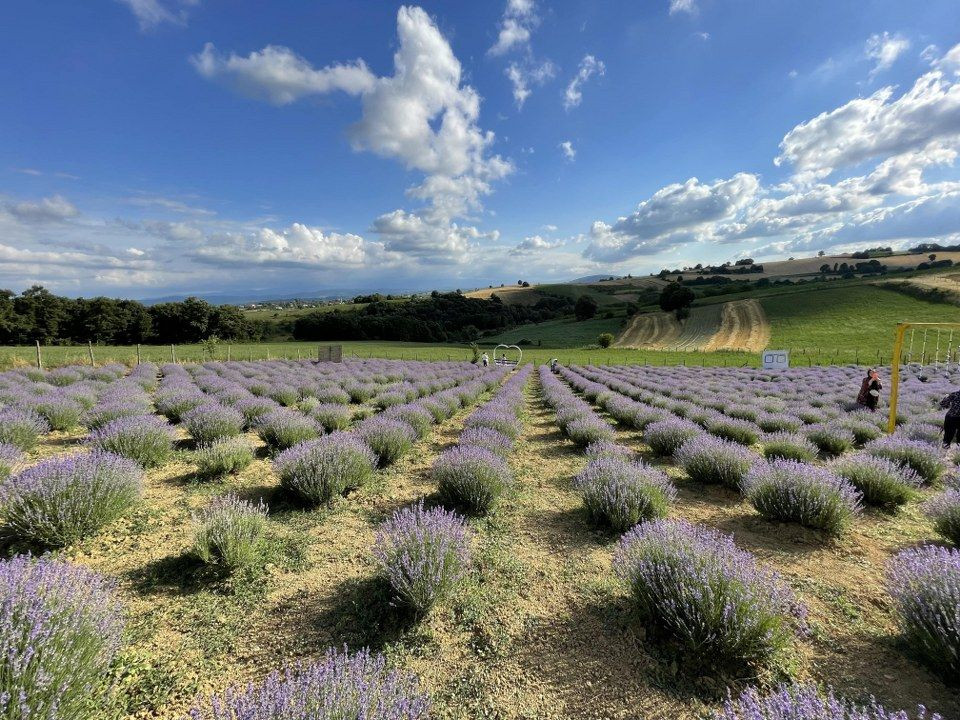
x,y
951,423
869,396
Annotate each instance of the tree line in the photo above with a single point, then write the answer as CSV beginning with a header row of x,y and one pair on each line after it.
x,y
442,317
37,314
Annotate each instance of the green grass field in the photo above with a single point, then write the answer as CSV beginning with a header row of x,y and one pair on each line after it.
x,y
818,323
852,322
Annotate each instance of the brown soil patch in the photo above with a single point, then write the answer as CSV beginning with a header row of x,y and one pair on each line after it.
x,y
743,326
652,330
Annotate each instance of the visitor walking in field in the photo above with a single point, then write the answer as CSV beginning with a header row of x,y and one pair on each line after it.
x,y
869,396
951,423
485,359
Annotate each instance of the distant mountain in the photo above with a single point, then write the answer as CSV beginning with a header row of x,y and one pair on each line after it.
x,y
587,279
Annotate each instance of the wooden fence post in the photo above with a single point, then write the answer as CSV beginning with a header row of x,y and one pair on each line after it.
x,y
138,353
228,353
173,354
39,360
90,350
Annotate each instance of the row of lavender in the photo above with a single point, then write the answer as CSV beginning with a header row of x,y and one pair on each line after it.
x,y
67,624
620,491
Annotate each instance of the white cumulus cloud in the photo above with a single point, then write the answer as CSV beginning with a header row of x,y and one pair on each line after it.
x,y
569,152
589,67
884,49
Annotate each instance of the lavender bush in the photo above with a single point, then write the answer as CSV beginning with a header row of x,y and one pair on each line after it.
x,y
666,436
881,481
921,457
944,510
619,493
738,431
389,438
423,554
788,446
605,449
105,412
470,478
147,439
60,412
338,686
488,439
57,502
60,628
10,457
320,470
332,416
696,584
211,422
417,417
793,491
831,438
504,423
223,457
21,428
925,586
588,430
284,428
228,531
712,461
806,702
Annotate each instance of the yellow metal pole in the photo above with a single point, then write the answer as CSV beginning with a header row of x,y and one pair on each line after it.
x,y
895,375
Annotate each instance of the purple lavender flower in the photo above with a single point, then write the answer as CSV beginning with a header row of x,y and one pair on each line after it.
x,y
423,553
666,436
10,457
588,430
105,412
21,428
389,438
944,510
743,432
925,586
332,416
471,478
883,482
338,686
253,408
57,502
710,460
61,412
223,457
210,422
283,428
60,628
805,702
147,439
418,417
619,493
488,439
788,446
694,583
606,449
794,491
320,470
177,400
831,438
921,457
228,531
503,422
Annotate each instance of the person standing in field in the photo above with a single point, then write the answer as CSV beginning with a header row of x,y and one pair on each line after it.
x,y
951,423
869,396
485,359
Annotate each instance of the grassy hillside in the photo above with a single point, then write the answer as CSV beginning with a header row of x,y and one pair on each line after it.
x,y
851,321
565,333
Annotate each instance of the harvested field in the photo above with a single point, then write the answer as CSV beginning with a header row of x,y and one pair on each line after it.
x,y
738,325
511,295
948,282
743,326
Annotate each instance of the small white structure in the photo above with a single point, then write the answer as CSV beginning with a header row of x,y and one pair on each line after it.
x,y
775,359
502,358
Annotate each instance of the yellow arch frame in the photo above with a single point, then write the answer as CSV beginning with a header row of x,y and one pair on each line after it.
x,y
895,363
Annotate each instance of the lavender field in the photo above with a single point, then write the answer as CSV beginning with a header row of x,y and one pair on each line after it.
x,y
402,539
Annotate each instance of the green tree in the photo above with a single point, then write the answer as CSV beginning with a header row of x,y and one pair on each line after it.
x,y
675,297
585,308
605,340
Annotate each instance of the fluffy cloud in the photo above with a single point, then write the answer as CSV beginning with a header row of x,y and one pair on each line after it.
x,y
523,75
518,19
279,75
676,214
150,13
589,67
686,6
884,50
426,238
535,243
421,116
51,209
566,147
875,126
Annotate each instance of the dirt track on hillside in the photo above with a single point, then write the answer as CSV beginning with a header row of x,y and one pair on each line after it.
x,y
738,325
743,326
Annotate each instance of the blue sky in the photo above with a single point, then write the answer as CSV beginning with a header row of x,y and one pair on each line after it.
x,y
158,147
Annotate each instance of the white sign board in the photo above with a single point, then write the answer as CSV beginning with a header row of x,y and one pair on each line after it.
x,y
776,359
